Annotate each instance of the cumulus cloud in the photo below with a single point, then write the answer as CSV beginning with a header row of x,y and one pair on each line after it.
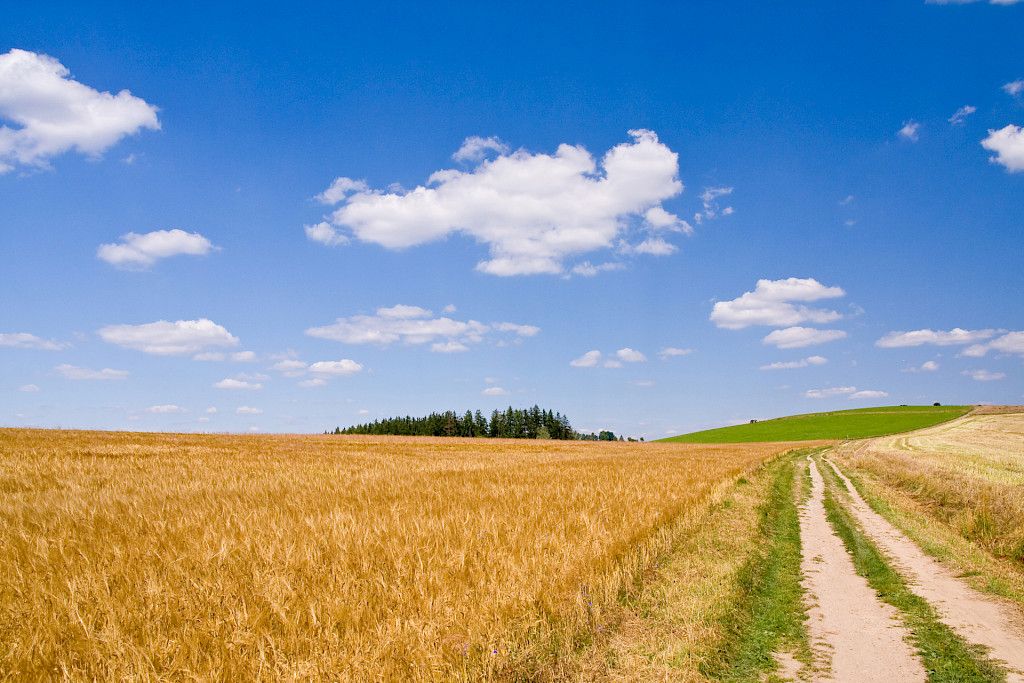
x,y
628,355
1014,88
800,337
290,367
960,115
52,113
777,303
710,207
652,246
164,338
24,340
532,211
325,233
1010,342
165,409
588,360
248,410
869,393
673,352
136,251
475,148
927,366
1008,144
414,325
494,391
237,384
77,373
448,347
910,131
29,388
953,337
335,368
793,364
659,219
340,188
830,392
588,269
984,375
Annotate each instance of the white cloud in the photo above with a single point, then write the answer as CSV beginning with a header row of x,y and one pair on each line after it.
x,y
29,388
773,303
164,338
652,246
494,391
869,393
927,366
588,360
53,114
212,410
955,336
24,340
1014,88
341,188
800,337
660,219
911,131
710,206
960,115
1011,342
612,363
167,408
414,325
243,356
475,148
77,373
628,355
448,347
673,352
248,410
335,368
984,375
141,251
830,392
532,210
793,364
290,367
588,269
1008,144
325,233
313,383
449,309
232,383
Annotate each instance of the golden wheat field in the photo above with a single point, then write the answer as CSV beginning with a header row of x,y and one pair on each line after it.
x,y
126,555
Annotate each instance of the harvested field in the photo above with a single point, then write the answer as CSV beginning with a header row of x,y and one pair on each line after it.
x,y
352,558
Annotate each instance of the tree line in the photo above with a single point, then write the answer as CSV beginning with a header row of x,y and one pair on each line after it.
x,y
511,423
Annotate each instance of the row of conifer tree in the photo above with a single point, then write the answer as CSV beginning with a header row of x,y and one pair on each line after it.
x,y
512,423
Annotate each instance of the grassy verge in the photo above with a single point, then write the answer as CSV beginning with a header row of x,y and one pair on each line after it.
x,y
980,568
946,656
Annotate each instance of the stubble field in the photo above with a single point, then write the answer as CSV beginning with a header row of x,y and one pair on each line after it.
x,y
245,557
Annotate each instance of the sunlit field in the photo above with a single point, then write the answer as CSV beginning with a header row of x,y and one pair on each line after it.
x,y
352,558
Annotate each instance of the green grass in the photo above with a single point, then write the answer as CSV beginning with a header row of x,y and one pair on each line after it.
x,y
773,616
838,425
946,656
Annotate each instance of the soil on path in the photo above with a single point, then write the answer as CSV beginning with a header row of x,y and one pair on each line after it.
x,y
975,617
850,628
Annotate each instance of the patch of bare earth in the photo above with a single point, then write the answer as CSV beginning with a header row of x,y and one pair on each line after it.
x,y
854,633
975,617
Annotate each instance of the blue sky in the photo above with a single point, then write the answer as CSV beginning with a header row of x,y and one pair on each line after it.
x,y
694,193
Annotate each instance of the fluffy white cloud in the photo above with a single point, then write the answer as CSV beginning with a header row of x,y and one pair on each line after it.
x,y
212,410
984,375
710,205
77,373
793,364
164,338
1008,144
141,251
233,383
335,368
800,337
777,303
588,360
830,392
960,115
869,393
588,269
415,325
243,356
532,210
494,391
340,188
1014,88
52,113
628,355
652,246
927,366
660,219
673,352
29,388
911,131
24,340
954,337
1011,342
248,410
475,148
325,233
448,347
165,409
290,367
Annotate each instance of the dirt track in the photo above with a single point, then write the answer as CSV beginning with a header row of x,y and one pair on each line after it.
x,y
851,630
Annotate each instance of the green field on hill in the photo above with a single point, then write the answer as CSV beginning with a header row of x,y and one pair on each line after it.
x,y
839,424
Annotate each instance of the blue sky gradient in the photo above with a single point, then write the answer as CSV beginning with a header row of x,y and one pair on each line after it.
x,y
797,107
